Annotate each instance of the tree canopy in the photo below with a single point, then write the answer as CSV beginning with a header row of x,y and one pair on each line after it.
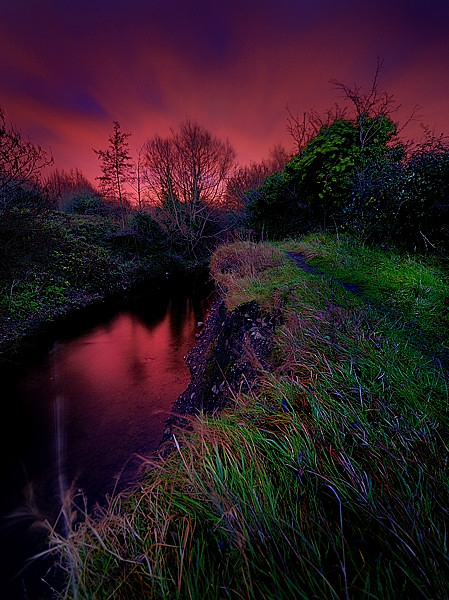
x,y
187,173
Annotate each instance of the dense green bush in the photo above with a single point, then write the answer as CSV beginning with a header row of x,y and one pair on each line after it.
x,y
274,207
373,203
317,185
51,260
323,171
369,187
145,226
23,236
424,210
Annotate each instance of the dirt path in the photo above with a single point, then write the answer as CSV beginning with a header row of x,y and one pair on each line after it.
x,y
300,260
414,334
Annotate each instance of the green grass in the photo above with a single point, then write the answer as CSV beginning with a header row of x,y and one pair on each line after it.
x,y
332,481
246,271
415,287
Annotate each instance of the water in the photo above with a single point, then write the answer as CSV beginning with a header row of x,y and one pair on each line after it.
x,y
80,412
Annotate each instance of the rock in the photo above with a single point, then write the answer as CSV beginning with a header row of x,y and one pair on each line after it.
x,y
226,359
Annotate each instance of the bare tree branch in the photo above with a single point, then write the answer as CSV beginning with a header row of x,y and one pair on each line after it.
x,y
21,161
186,173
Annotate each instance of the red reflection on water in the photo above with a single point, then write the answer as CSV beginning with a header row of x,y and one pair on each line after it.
x,y
118,384
81,413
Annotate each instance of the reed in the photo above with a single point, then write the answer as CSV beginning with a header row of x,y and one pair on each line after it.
x,y
330,481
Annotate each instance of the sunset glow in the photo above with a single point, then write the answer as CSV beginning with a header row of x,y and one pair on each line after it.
x,y
68,70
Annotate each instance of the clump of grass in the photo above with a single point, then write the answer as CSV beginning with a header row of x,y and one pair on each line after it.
x,y
243,259
330,481
246,271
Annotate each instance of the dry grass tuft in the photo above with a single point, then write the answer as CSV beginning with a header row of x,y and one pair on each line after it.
x,y
243,260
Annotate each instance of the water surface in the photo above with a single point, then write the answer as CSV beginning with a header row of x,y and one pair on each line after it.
x,y
79,412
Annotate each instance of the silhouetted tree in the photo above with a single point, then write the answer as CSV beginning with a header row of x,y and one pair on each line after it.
x,y
369,109
116,166
21,164
24,207
186,173
303,128
71,191
366,109
347,165
137,182
245,179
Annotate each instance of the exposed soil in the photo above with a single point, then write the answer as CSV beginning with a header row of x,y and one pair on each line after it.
x,y
300,260
232,349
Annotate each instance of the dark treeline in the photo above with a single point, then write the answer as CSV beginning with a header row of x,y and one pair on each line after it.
x,y
352,172
64,240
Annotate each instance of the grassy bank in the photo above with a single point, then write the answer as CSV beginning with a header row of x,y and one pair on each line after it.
x,y
64,261
330,482
402,286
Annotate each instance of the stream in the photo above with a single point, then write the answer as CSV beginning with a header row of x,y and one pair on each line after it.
x,y
80,408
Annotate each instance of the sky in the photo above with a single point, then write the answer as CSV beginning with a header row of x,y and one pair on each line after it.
x,y
70,68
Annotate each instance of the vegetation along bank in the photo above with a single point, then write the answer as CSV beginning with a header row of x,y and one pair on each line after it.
x,y
329,478
312,460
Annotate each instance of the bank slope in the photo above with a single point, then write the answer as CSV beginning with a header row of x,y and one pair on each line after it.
x,y
328,479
